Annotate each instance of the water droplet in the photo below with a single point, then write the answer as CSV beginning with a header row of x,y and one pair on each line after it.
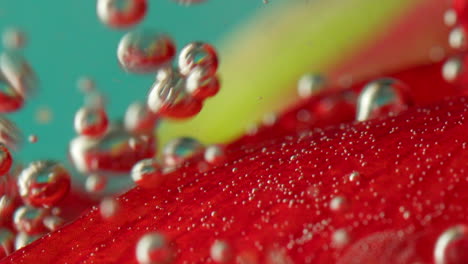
x,y
145,51
153,248
44,183
340,238
29,220
309,85
221,251
148,173
214,154
14,38
91,121
139,119
457,38
198,55
452,246
109,208
200,85
95,183
121,13
6,241
382,97
180,150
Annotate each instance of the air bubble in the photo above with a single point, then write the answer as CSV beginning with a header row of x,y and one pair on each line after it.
x,y
340,238
18,72
29,220
145,51
153,248
14,38
198,55
91,121
109,208
214,154
121,13
310,84
452,246
180,150
44,183
95,183
453,69
221,251
148,173
382,97
139,119
457,38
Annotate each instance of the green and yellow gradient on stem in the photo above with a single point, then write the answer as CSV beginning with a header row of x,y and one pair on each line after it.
x,y
262,60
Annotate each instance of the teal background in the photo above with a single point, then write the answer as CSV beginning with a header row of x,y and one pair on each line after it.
x,y
65,40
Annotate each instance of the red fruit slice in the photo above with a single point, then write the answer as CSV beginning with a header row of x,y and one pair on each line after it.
x,y
274,200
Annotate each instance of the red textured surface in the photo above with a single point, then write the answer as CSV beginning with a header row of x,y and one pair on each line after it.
x,y
411,187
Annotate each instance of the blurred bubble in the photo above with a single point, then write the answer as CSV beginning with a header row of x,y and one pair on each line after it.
x,y
145,51
200,85
14,38
179,150
43,115
18,72
139,119
121,13
91,121
29,220
198,55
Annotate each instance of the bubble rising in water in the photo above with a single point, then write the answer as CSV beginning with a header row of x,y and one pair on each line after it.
x,y
139,119
18,72
382,97
198,55
29,219
145,51
452,246
310,84
148,173
180,150
153,248
200,85
214,154
166,91
221,251
44,183
121,13
91,121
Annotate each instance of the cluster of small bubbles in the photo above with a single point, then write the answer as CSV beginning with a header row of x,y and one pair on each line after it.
x,y
13,38
382,97
5,159
95,183
6,242
221,251
310,84
148,173
214,154
340,238
452,246
91,121
43,183
108,208
154,248
29,219
116,152
339,204
121,13
457,38
181,149
145,51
